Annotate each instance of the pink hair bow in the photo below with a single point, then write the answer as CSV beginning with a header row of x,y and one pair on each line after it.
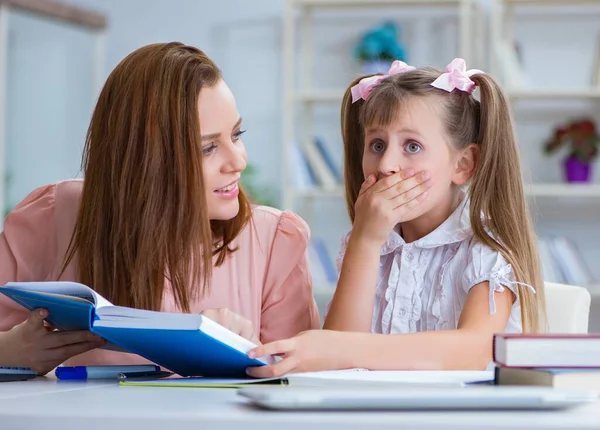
x,y
365,85
456,76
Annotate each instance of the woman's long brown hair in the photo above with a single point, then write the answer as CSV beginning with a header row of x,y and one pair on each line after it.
x,y
496,189
143,215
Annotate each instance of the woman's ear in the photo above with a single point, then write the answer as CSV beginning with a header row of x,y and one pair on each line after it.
x,y
465,165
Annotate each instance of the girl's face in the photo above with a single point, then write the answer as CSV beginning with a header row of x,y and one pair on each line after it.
x,y
415,140
223,149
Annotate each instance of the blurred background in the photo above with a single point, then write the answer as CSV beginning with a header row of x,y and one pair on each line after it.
x,y
288,63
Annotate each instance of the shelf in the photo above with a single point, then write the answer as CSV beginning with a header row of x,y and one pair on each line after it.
x,y
541,94
323,290
532,190
563,190
324,95
320,192
335,95
371,3
550,2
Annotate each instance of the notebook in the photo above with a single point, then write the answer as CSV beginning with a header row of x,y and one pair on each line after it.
x,y
186,344
336,378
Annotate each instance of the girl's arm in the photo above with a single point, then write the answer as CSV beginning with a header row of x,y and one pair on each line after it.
x,y
469,347
352,305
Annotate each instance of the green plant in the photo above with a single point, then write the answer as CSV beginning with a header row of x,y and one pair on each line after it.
x,y
258,194
580,136
380,44
7,207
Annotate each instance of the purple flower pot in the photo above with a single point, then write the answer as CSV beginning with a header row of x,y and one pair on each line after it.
x,y
576,171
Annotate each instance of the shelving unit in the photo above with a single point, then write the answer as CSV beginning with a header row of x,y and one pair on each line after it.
x,y
502,30
555,200
567,203
301,97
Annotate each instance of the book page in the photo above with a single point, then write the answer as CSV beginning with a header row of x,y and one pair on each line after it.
x,y
230,338
386,377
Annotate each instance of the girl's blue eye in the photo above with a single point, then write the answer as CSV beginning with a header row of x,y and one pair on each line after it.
x,y
377,146
208,149
413,147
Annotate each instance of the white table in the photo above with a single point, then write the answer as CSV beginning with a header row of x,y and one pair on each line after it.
x,y
48,404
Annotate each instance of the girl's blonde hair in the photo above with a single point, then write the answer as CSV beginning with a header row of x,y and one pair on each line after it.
x,y
496,188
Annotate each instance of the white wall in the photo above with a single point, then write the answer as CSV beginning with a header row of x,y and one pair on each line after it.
x,y
49,97
241,36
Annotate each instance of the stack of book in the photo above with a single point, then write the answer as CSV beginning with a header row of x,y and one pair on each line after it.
x,y
559,361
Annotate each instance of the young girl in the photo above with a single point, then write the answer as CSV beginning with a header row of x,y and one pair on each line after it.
x,y
160,221
442,253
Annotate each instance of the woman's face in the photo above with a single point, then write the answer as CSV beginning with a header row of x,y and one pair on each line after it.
x,y
223,149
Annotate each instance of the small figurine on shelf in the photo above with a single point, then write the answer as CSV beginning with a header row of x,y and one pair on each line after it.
x,y
583,142
378,47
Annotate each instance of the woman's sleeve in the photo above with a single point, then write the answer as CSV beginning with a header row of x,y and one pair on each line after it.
x,y
27,248
289,306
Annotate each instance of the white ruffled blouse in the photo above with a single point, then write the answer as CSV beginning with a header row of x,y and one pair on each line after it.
x,y
423,285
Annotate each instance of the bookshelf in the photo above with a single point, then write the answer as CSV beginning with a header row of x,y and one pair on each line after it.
x,y
302,96
298,53
549,103
550,198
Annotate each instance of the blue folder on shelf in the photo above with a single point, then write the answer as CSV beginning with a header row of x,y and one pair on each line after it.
x,y
186,344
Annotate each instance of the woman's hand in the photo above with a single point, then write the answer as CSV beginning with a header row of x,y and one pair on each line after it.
x,y
308,351
33,344
383,204
232,321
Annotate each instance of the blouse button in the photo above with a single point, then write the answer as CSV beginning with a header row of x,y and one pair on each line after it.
x,y
402,312
409,256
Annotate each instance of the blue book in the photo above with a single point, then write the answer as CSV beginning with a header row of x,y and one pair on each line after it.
x,y
326,262
186,344
333,167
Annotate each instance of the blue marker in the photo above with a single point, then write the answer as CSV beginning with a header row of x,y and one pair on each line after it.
x,y
101,372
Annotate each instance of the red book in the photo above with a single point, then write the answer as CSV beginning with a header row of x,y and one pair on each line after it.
x,y
547,350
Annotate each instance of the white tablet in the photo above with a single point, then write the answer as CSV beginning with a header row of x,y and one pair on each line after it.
x,y
471,398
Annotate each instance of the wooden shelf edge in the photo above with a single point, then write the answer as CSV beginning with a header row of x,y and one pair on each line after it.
x,y
61,11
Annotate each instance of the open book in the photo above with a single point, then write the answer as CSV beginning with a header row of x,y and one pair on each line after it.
x,y
352,378
187,344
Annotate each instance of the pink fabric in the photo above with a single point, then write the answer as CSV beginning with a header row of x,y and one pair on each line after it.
x,y
365,85
456,76
267,280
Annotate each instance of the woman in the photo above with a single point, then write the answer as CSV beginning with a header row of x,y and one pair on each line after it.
x,y
160,221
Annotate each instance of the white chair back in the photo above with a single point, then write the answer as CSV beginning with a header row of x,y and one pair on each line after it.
x,y
567,308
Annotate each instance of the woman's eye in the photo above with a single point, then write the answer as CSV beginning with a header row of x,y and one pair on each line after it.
x,y
208,149
377,146
238,135
413,147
